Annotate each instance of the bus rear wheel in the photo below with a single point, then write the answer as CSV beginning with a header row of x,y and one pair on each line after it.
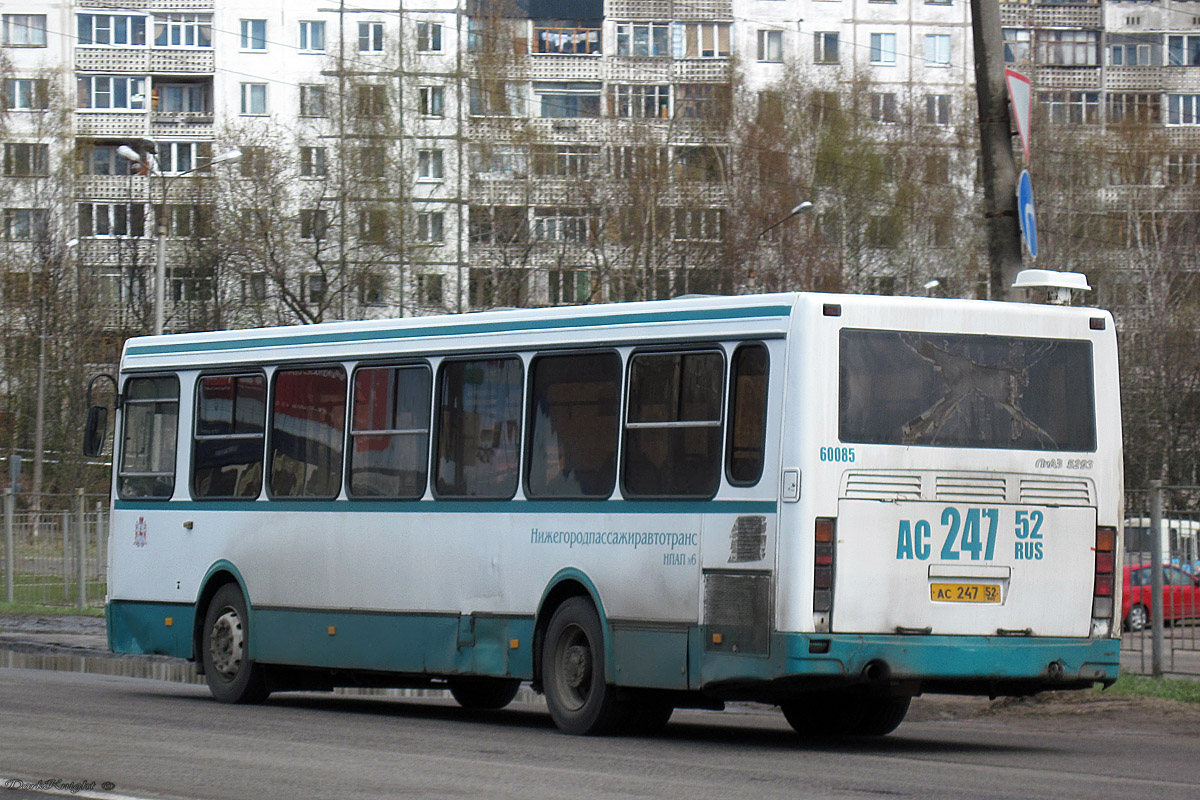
x,y
484,694
580,701
232,677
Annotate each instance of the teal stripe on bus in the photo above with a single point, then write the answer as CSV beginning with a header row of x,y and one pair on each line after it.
x,y
514,326
739,507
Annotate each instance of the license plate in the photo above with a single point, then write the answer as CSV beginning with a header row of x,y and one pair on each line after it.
x,y
964,592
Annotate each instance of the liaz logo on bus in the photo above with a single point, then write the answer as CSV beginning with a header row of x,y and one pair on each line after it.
x,y
969,536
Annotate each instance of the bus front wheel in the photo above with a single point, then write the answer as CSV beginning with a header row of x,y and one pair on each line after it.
x,y
581,702
232,677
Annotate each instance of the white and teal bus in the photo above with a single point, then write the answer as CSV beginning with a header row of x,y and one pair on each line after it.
x,y
828,503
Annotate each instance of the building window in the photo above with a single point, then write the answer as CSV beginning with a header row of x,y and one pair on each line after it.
x,y
1130,54
429,289
372,162
256,161
312,162
370,37
26,94
1133,107
550,36
308,418
498,225
103,160
770,45
429,37
638,163
1017,46
497,99
431,100
182,98
937,49
24,30
883,48
561,224
187,219
370,101
150,407
176,157
1183,51
565,160
673,425
698,224
1069,48
254,99
937,109
937,169
883,107
643,39
111,29
699,163
825,47
111,92
1183,109
1071,108
315,288
568,99
1182,169
638,101
429,165
431,226
372,225
312,100
25,224
371,289
312,36
702,100
389,434
254,34
570,286
314,223
183,30
26,160
705,39
112,219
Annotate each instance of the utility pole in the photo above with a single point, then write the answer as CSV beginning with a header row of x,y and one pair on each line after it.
x,y
995,136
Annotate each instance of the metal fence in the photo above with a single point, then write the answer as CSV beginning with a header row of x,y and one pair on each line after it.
x,y
1160,608
56,557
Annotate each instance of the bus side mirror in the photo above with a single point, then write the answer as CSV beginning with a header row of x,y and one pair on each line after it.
x,y
95,431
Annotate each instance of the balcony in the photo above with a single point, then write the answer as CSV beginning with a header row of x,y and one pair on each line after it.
x,y
181,61
111,125
110,187
565,68
112,59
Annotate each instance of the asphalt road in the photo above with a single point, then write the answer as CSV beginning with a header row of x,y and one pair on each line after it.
x,y
153,739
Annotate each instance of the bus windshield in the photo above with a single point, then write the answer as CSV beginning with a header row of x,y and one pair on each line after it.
x,y
955,390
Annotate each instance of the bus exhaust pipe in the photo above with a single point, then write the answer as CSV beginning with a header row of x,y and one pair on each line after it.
x,y
876,671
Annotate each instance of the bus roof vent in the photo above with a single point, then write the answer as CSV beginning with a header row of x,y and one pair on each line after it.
x,y
1057,285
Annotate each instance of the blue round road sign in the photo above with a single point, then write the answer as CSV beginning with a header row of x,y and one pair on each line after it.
x,y
1025,212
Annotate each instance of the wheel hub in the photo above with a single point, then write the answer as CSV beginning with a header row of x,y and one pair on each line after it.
x,y
577,666
226,644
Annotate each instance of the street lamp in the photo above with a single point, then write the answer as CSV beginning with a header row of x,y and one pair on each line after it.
x,y
803,207
149,162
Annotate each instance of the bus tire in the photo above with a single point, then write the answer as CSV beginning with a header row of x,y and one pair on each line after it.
x,y
232,677
881,715
484,694
580,700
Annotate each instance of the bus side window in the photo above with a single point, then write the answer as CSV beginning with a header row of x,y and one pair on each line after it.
x,y
389,432
479,428
673,425
227,452
150,419
573,421
747,415
308,422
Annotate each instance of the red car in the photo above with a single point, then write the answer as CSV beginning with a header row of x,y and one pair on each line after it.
x,y
1181,596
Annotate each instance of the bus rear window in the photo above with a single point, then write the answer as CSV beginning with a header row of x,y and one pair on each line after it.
x,y
957,390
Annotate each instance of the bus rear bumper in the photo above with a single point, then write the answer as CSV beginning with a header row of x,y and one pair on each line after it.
x,y
983,665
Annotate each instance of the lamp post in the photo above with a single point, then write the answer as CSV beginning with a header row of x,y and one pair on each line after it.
x,y
150,164
803,207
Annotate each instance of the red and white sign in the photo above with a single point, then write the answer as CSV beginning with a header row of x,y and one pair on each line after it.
x,y
1020,94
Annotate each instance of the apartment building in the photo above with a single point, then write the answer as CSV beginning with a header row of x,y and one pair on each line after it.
x,y
454,155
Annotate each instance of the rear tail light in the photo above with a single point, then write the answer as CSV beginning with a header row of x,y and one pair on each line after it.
x,y
823,562
1106,566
